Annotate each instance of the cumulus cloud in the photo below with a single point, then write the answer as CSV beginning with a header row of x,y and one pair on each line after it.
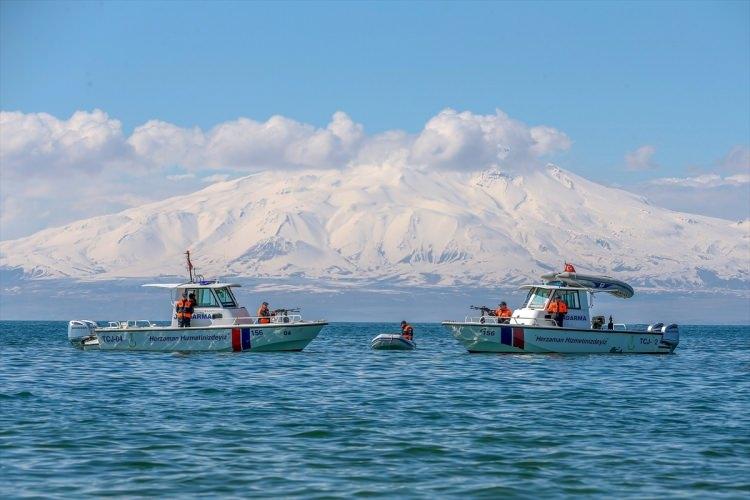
x,y
101,169
35,143
641,158
244,144
467,141
92,141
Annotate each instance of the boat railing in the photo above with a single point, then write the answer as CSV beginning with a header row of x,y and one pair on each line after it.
x,y
131,323
532,321
485,320
515,320
273,320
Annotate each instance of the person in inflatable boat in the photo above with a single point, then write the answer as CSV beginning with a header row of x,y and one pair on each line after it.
x,y
407,331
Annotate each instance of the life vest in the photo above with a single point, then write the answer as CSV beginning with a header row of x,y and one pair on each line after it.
x,y
407,332
264,315
503,312
184,308
557,306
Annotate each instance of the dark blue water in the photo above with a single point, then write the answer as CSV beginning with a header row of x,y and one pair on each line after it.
x,y
341,420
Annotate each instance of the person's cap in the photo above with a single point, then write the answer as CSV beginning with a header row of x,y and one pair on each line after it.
x,y
503,304
403,322
265,303
192,294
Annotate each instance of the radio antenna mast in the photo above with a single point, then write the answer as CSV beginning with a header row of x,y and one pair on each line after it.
x,y
189,265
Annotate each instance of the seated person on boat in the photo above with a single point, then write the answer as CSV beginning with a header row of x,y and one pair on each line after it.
x,y
503,313
407,331
264,314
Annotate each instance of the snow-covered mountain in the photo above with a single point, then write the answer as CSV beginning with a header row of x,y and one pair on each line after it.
x,y
398,225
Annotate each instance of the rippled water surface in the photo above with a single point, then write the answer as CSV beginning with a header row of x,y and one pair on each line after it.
x,y
342,420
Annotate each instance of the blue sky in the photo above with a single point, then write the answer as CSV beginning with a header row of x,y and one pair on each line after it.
x,y
615,77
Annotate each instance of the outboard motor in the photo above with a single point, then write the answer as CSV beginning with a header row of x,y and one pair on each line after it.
x,y
655,328
80,330
670,335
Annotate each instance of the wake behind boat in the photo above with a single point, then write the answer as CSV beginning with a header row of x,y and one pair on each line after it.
x,y
534,329
217,323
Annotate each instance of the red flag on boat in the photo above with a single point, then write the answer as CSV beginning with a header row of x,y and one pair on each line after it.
x,y
569,268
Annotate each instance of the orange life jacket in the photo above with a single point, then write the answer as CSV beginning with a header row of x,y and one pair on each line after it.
x,y
264,315
407,332
503,312
184,308
557,306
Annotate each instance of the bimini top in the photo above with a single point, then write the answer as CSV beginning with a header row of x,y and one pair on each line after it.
x,y
199,284
592,282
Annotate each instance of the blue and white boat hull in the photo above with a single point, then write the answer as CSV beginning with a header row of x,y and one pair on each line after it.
x,y
520,339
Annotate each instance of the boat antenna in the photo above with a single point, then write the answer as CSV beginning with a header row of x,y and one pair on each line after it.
x,y
189,265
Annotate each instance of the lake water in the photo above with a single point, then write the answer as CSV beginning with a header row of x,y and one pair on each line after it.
x,y
342,420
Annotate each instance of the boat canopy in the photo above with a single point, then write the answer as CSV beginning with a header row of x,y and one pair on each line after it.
x,y
593,283
202,284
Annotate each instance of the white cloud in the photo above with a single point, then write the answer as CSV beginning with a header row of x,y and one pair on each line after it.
x,y
640,159
724,193
466,141
703,181
180,177
244,144
86,165
37,143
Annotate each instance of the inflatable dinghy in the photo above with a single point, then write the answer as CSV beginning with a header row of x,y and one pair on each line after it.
x,y
594,282
392,342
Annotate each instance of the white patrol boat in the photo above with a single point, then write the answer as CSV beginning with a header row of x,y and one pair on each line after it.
x,y
218,323
531,329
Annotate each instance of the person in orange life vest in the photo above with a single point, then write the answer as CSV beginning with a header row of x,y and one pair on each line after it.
x,y
184,309
503,313
407,331
264,314
569,268
558,308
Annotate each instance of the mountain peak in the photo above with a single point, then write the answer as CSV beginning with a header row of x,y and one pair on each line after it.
x,y
381,223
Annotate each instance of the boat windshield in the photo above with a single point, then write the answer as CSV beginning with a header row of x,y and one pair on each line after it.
x,y
537,298
225,297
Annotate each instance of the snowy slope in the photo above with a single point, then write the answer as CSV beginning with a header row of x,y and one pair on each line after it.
x,y
398,225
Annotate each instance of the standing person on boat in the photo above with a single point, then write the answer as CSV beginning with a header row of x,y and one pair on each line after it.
x,y
184,309
503,313
264,314
558,308
407,331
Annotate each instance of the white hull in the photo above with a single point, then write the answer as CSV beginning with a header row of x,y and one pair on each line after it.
x,y
519,339
392,342
255,338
